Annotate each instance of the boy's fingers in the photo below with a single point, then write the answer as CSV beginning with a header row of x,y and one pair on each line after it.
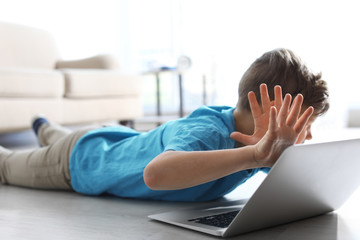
x,y
278,97
265,99
304,118
272,120
283,113
254,105
295,110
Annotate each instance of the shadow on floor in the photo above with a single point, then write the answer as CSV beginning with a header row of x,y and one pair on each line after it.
x,y
19,140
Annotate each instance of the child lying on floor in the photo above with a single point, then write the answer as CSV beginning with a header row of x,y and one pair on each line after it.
x,y
198,158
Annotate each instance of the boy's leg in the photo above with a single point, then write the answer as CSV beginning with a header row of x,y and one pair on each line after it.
x,y
45,168
46,132
50,133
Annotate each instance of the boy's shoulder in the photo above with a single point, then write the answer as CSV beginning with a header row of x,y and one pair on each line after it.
x,y
206,117
212,116
207,128
212,110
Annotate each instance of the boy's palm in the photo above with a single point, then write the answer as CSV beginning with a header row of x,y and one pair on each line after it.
x,y
260,115
284,129
276,125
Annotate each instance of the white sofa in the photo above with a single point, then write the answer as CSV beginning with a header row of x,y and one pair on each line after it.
x,y
34,79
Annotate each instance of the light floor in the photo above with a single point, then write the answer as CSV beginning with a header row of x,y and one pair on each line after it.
x,y
37,214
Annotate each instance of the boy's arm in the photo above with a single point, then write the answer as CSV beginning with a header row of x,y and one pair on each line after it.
x,y
176,170
179,169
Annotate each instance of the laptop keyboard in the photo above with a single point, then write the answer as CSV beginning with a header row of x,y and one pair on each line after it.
x,y
219,220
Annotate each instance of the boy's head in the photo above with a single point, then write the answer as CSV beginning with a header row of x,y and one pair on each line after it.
x,y
282,67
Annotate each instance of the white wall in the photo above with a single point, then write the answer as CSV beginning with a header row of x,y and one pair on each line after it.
x,y
81,27
223,35
324,33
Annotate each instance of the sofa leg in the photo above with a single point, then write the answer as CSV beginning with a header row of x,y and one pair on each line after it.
x,y
127,123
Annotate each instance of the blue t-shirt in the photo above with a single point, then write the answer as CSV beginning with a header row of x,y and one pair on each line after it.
x,y
112,159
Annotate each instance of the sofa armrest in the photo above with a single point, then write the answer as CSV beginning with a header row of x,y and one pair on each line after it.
x,y
97,62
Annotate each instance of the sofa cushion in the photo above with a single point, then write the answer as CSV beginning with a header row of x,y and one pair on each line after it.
x,y
17,82
26,47
17,112
99,83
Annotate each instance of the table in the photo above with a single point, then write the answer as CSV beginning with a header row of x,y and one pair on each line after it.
x,y
157,73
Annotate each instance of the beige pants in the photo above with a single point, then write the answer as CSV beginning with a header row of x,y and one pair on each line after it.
x,y
46,167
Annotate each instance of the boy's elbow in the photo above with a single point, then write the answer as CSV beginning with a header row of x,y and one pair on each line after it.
x,y
151,178
155,176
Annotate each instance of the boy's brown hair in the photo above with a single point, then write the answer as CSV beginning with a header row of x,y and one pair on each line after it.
x,y
282,67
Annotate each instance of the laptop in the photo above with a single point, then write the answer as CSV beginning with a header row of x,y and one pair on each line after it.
x,y
307,180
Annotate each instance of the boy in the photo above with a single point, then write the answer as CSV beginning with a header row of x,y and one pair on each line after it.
x,y
190,159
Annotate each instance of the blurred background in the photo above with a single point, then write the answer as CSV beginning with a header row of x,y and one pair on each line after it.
x,y
221,37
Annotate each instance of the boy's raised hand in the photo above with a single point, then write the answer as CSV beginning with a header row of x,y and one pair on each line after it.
x,y
260,115
284,129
